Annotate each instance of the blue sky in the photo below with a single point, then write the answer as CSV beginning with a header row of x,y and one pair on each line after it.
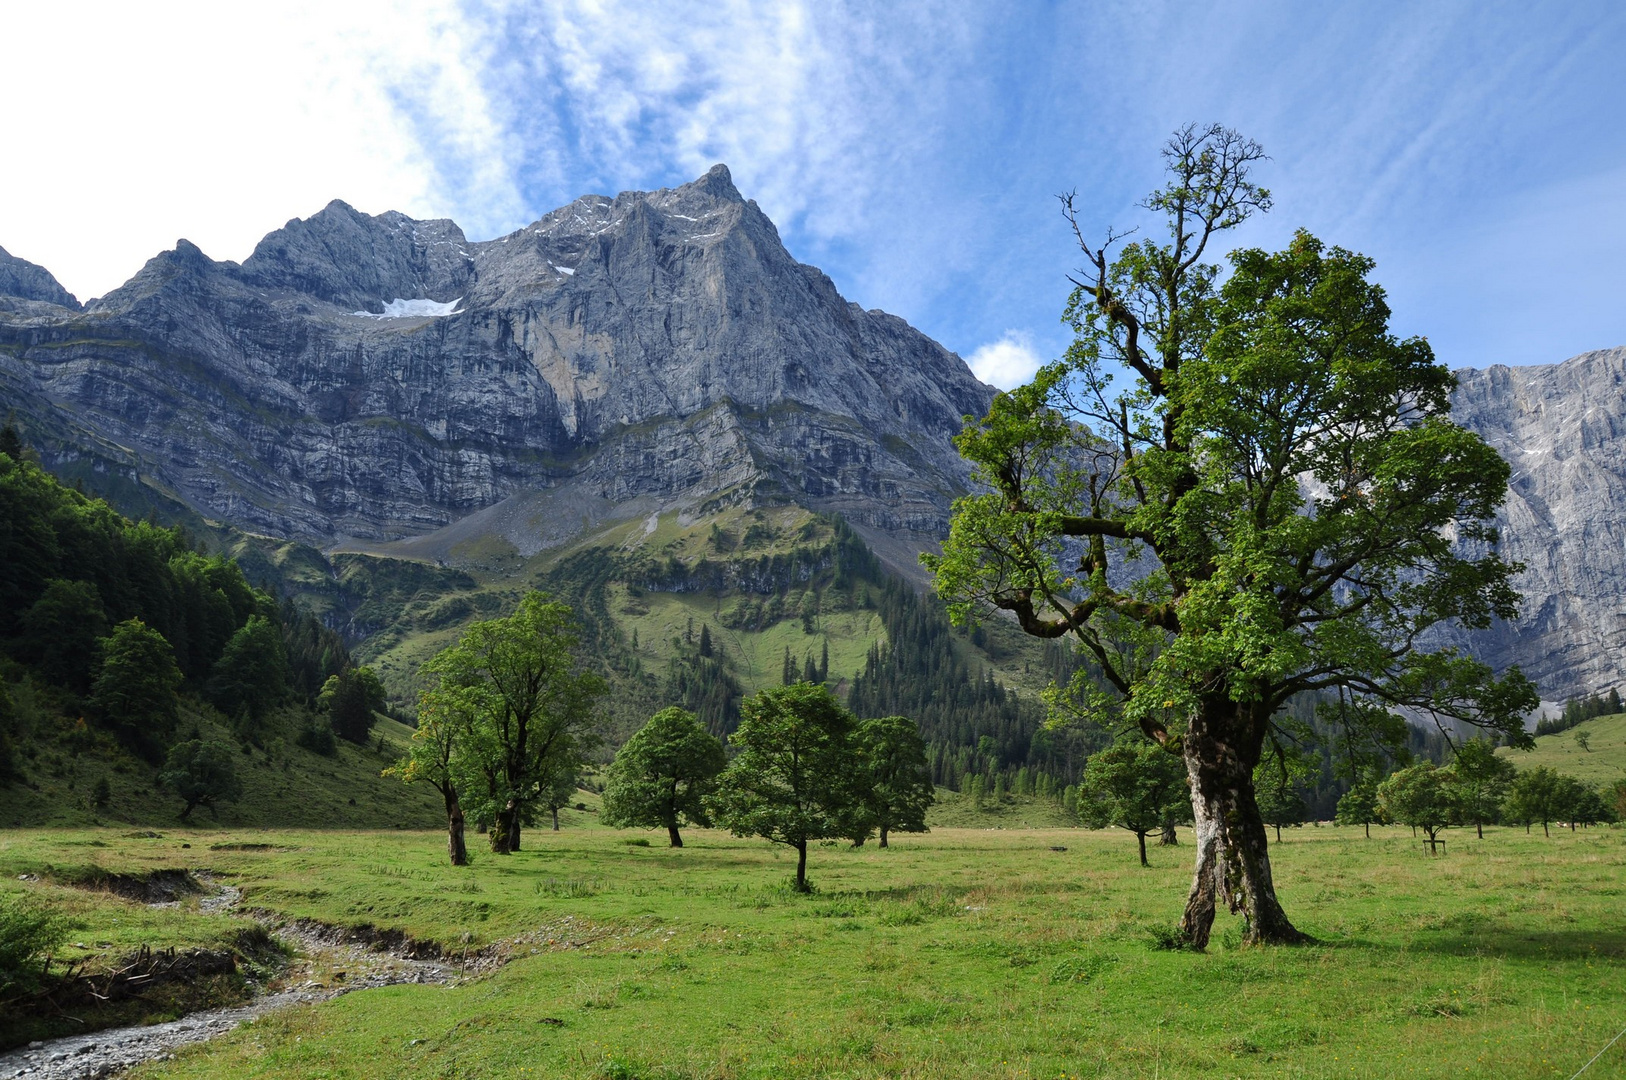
x,y
913,151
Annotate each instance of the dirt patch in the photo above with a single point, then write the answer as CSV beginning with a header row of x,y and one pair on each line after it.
x,y
153,887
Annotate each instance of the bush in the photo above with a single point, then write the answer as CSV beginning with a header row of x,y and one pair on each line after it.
x,y
318,739
28,931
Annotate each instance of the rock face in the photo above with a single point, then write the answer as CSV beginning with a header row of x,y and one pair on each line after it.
x,y
384,383
380,378
1562,428
29,281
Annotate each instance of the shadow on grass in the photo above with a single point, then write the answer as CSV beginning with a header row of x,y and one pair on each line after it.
x,y
1491,940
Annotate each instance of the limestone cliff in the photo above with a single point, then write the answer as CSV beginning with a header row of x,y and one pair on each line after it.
x,y
379,378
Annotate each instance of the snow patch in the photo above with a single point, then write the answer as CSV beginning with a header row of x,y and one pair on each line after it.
x,y
413,309
565,270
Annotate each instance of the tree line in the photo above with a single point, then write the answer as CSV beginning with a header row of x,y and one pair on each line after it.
x,y
118,620
506,727
1578,711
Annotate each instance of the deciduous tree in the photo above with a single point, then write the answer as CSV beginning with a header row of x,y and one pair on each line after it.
x,y
797,774
1278,503
1420,796
202,773
526,710
134,692
662,776
897,776
1136,785
352,699
1479,783
1359,805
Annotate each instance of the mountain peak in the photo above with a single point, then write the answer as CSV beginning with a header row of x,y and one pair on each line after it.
x,y
31,281
718,183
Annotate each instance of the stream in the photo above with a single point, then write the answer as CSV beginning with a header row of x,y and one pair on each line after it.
x,y
324,967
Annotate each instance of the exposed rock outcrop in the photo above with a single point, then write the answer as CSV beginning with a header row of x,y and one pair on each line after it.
x,y
380,377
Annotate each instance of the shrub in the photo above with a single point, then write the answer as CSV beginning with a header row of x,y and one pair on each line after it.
x,y
28,931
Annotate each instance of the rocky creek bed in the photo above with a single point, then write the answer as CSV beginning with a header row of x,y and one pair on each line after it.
x,y
327,961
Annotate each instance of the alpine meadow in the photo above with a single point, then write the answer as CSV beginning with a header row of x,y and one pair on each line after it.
x,y
605,651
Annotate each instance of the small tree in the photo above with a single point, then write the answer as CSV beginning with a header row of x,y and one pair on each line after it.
x,y
134,691
1276,783
443,719
558,786
797,776
526,709
1420,796
1479,783
251,674
1579,803
352,699
1583,740
1359,805
1536,795
1136,785
662,776
898,775
202,774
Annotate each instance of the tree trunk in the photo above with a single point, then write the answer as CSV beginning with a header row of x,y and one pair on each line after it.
x,y
1544,831
672,834
1368,830
506,828
1169,837
555,810
801,866
1278,834
1233,857
455,847
1479,827
883,835
1142,838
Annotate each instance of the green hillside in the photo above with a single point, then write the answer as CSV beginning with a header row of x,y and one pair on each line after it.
x,y
1603,761
60,763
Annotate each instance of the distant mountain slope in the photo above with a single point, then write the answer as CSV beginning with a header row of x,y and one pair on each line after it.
x,y
1601,761
378,377
1562,428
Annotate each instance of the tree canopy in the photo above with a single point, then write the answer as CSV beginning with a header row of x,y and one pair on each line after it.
x,y
796,776
516,709
662,776
1276,503
1136,785
897,777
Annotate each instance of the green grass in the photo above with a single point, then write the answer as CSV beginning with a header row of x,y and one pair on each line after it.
x,y
1603,762
954,954
283,783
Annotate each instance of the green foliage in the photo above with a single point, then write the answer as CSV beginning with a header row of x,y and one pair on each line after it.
x,y
201,773
517,712
61,630
897,776
251,675
351,699
1277,504
134,691
1359,805
796,773
1479,783
1420,796
1136,785
662,776
29,931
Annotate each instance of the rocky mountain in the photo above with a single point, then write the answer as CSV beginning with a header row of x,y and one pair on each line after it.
x,y
24,280
383,384
375,379
1562,428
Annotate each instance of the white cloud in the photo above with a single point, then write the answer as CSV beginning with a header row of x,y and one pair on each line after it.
x,y
1008,362
140,124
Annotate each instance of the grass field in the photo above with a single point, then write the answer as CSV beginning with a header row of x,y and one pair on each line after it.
x,y
1602,762
960,953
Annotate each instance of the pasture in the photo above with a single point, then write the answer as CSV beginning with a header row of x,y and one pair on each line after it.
x,y
959,953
